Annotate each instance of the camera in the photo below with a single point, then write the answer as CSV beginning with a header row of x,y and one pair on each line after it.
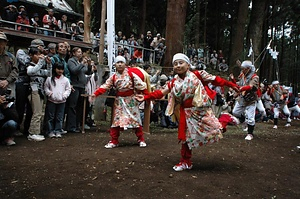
x,y
7,93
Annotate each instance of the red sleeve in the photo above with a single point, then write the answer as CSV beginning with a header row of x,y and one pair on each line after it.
x,y
223,82
258,92
145,92
245,88
154,95
99,91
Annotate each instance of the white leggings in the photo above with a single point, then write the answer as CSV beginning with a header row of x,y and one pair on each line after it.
x,y
285,111
249,111
261,108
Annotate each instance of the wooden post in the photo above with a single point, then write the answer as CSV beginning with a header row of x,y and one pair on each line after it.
x,y
84,110
146,126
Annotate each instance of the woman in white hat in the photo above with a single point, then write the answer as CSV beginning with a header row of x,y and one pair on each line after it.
x,y
126,108
190,104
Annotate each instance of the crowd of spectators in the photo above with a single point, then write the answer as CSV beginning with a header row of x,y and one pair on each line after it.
x,y
201,57
46,24
55,77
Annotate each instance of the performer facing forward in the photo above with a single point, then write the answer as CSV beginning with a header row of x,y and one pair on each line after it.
x,y
191,105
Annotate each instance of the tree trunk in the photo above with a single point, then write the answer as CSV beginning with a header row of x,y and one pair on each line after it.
x,y
197,24
87,20
237,45
176,14
257,18
143,15
102,32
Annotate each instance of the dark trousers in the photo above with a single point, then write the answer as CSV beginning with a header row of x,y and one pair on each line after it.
x,y
55,116
8,129
75,109
22,103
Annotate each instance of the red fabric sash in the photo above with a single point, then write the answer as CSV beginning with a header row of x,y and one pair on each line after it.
x,y
125,93
182,120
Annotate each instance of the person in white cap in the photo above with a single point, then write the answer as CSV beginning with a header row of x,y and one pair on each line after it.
x,y
190,104
126,108
246,102
279,96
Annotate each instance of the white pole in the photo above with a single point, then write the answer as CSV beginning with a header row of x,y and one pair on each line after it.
x,y
111,35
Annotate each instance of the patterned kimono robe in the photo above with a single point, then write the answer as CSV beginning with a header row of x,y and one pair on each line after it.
x,y
197,125
126,108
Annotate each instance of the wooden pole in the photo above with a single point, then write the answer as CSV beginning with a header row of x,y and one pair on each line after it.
x,y
146,126
102,32
85,96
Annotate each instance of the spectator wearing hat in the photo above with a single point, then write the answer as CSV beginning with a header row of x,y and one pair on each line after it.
x,y
49,22
39,69
246,102
147,45
23,85
73,31
126,108
21,9
9,70
80,31
36,22
23,19
10,13
8,76
279,97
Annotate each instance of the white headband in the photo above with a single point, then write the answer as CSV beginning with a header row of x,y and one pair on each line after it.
x,y
181,56
120,59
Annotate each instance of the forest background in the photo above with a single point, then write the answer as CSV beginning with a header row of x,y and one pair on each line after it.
x,y
227,25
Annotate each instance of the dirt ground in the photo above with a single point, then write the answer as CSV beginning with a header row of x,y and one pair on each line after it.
x,y
78,166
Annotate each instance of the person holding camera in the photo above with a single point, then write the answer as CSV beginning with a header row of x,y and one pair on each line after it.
x,y
38,70
23,85
8,118
78,66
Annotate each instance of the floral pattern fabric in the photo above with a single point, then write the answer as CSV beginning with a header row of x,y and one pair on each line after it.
x,y
126,109
202,127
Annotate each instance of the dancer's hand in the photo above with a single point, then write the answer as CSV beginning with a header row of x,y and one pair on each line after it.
x,y
92,98
139,97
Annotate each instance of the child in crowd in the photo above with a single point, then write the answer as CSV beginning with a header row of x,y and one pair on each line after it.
x,y
57,88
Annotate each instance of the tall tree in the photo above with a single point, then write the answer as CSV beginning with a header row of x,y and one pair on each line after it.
x,y
258,14
176,13
87,20
237,47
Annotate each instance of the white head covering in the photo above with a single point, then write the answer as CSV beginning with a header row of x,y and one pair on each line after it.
x,y
163,77
120,59
181,56
246,64
193,67
275,82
